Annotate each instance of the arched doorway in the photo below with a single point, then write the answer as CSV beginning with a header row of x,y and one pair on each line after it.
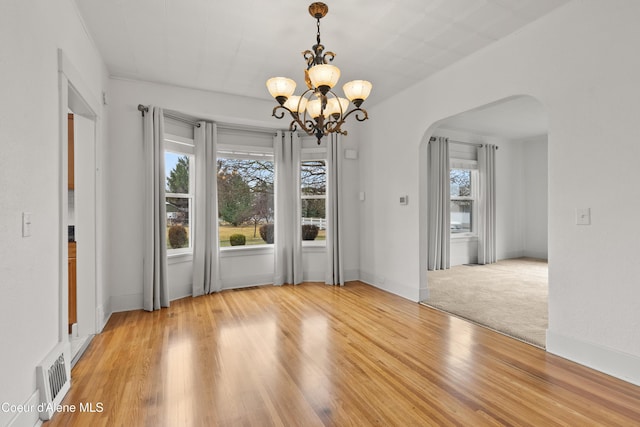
x,y
509,296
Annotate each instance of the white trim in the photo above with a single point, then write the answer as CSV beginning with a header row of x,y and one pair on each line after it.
x,y
83,103
612,362
239,282
245,150
179,257
179,145
314,246
129,302
246,250
30,416
75,79
397,288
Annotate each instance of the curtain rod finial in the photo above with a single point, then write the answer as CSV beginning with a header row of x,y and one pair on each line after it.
x,y
143,109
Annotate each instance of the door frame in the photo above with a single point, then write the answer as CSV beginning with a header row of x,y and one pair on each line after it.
x,y
75,96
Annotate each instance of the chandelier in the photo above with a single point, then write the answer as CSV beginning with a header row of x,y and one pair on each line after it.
x,y
319,111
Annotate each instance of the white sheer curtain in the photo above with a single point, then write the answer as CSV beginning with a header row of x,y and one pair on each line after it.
x,y
487,204
335,274
155,290
438,221
206,261
288,223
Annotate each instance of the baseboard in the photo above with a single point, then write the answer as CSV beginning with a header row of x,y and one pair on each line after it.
x,y
102,317
313,276
537,255
246,281
351,275
407,292
126,303
29,415
612,362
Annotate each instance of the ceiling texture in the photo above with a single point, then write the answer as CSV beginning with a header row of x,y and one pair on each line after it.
x,y
235,46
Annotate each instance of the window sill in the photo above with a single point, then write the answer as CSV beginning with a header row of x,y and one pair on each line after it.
x,y
234,251
314,247
314,244
178,257
464,237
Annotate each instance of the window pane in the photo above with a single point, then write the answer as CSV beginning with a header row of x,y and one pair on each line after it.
x,y
460,183
313,177
461,216
313,187
177,172
178,216
245,200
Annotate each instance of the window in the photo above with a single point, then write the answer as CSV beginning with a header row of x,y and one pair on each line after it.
x,y
179,176
245,197
313,180
463,201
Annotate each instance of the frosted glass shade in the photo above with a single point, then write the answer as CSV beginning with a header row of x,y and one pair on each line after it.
x,y
313,108
324,75
357,89
296,103
281,86
334,104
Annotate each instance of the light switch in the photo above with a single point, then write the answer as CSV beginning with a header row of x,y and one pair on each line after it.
x,y
583,216
26,224
362,196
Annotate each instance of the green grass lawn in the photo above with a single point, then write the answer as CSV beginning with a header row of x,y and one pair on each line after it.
x,y
227,230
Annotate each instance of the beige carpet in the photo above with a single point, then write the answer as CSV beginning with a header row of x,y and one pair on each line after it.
x,y
509,296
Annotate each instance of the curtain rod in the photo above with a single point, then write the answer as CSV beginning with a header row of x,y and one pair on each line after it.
x,y
145,109
475,144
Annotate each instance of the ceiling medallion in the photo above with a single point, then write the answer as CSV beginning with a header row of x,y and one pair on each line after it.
x,y
319,111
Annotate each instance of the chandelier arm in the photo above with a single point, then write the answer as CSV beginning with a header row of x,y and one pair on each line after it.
x,y
280,114
309,57
329,54
307,125
357,116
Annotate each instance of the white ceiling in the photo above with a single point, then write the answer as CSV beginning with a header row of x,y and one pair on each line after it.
x,y
514,119
235,46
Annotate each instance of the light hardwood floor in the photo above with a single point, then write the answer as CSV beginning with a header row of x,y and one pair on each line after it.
x,y
314,355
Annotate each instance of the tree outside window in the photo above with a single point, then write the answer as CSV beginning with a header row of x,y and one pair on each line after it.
x,y
313,188
245,196
178,200
462,196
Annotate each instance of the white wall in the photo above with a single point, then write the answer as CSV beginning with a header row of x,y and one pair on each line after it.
x,y
510,210
30,35
536,192
564,60
124,260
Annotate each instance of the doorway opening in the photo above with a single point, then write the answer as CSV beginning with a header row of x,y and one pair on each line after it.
x,y
79,220
510,295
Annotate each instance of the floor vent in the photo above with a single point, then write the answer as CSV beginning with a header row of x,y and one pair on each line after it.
x,y
246,288
54,380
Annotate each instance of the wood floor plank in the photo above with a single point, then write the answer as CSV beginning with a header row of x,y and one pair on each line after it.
x,y
316,355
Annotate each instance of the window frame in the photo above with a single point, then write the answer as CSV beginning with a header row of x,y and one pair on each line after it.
x,y
183,147
245,152
472,167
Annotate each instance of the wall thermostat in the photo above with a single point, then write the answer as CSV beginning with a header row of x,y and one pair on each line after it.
x,y
404,200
